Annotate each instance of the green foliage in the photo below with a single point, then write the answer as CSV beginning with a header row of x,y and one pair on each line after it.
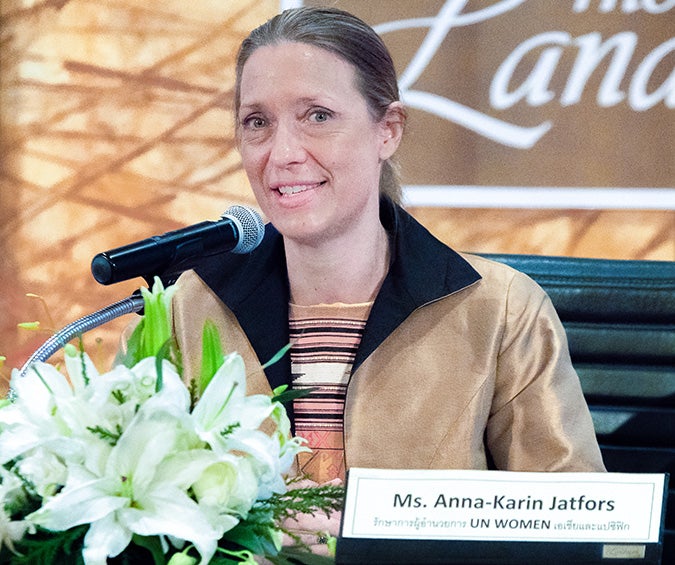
x,y
212,355
119,396
326,498
300,556
131,355
284,395
47,548
153,546
153,335
278,355
157,314
256,532
111,437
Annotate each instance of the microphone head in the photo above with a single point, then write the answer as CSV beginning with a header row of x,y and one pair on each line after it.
x,y
250,225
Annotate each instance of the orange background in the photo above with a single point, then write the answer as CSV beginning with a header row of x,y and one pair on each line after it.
x,y
116,125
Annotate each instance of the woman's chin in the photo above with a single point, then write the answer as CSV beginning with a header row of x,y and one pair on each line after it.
x,y
301,229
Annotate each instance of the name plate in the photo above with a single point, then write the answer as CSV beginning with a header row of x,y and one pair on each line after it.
x,y
504,506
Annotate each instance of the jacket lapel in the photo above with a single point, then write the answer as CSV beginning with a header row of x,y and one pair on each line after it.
x,y
255,288
422,270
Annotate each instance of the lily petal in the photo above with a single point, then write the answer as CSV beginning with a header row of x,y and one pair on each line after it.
x,y
150,437
228,383
84,504
170,511
105,538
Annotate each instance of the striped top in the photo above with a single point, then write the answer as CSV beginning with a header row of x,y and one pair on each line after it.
x,y
324,341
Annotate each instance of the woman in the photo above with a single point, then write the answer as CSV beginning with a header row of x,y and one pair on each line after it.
x,y
420,357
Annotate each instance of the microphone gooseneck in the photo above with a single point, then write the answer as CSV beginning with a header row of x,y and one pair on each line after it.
x,y
133,303
239,230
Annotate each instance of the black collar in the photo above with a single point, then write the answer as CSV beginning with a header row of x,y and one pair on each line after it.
x,y
255,287
422,270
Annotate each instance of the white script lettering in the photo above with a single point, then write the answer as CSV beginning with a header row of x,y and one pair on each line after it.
x,y
535,89
627,6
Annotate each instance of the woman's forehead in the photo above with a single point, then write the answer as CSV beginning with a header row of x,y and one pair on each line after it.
x,y
304,68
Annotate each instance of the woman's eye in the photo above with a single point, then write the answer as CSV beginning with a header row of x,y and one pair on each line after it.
x,y
320,115
254,122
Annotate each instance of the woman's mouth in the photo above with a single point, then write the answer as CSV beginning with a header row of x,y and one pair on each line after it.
x,y
290,189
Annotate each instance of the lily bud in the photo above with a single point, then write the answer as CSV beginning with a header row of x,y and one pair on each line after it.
x,y
181,559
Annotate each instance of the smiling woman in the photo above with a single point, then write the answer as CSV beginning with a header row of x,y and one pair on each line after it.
x,y
416,356
313,154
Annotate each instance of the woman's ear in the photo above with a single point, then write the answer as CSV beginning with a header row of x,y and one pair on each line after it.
x,y
392,126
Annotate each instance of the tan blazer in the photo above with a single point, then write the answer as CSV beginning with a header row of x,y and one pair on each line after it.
x,y
486,367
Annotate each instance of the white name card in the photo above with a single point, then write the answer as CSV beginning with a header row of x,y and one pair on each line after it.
x,y
503,505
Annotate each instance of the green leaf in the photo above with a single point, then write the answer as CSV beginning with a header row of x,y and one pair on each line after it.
x,y
247,538
107,435
154,330
324,498
153,545
163,353
279,354
286,396
132,355
49,548
157,314
212,354
300,556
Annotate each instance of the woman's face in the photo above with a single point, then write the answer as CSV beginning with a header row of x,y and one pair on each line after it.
x,y
310,148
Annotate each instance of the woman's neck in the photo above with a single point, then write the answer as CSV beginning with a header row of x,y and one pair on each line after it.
x,y
350,270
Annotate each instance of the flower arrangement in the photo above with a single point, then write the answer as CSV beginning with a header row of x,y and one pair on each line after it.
x,y
135,466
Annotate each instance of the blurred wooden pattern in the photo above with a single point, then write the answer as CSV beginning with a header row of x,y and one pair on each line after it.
x,y
116,125
609,234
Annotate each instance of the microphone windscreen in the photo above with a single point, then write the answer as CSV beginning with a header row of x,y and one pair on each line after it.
x,y
251,227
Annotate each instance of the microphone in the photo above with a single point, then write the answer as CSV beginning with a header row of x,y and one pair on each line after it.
x,y
239,230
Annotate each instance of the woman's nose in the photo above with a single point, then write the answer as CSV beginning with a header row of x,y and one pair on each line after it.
x,y
286,146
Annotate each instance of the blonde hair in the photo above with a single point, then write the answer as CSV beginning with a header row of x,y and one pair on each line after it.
x,y
351,39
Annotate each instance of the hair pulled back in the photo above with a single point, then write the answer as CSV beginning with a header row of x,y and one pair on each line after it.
x,y
348,37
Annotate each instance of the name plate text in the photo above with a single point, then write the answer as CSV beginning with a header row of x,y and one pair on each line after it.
x,y
503,505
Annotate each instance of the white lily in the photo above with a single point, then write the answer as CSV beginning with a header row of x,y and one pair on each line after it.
x,y
11,530
138,492
276,453
227,490
52,411
224,415
11,494
45,471
121,452
32,420
228,420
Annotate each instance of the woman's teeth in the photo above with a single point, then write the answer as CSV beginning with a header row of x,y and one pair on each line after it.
x,y
295,189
